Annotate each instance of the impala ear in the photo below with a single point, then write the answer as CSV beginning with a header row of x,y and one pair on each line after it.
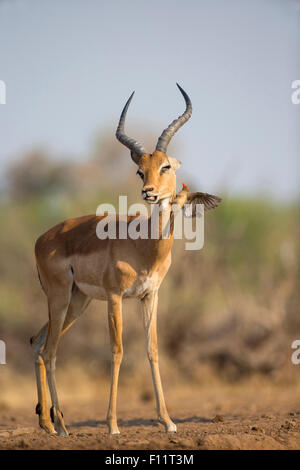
x,y
135,157
175,164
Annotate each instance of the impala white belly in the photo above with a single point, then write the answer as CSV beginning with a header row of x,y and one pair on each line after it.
x,y
95,292
138,290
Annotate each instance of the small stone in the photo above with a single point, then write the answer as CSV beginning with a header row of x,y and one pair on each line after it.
x,y
186,443
257,429
291,423
218,419
173,441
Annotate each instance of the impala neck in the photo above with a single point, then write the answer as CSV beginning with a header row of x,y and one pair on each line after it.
x,y
162,225
161,228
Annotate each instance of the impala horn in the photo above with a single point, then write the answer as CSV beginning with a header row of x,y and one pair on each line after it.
x,y
137,150
168,133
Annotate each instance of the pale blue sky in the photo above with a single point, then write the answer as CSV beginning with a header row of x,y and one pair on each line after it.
x,y
69,66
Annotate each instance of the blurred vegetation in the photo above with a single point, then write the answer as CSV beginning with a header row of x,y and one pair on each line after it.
x,y
232,307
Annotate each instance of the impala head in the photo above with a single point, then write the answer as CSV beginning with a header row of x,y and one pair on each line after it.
x,y
157,169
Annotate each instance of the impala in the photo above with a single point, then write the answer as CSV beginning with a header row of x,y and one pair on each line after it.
x,y
75,266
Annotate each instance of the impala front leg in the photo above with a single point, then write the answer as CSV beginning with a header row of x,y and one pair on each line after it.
x,y
115,330
149,308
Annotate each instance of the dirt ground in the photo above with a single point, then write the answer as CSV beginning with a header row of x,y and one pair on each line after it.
x,y
251,415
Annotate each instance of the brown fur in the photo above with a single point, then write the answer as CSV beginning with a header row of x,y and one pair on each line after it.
x,y
75,266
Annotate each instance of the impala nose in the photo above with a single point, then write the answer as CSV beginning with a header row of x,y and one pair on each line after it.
x,y
148,189
148,194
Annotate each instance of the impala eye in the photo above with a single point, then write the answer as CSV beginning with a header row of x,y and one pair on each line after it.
x,y
140,173
165,168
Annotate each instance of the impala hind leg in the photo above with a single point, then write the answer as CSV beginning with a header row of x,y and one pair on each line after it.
x,y
59,296
77,306
42,408
149,309
115,330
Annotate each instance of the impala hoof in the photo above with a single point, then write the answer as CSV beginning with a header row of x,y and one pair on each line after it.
x,y
48,427
57,419
114,431
61,431
171,428
44,420
113,428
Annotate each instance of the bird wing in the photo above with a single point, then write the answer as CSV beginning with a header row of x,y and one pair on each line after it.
x,y
208,200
